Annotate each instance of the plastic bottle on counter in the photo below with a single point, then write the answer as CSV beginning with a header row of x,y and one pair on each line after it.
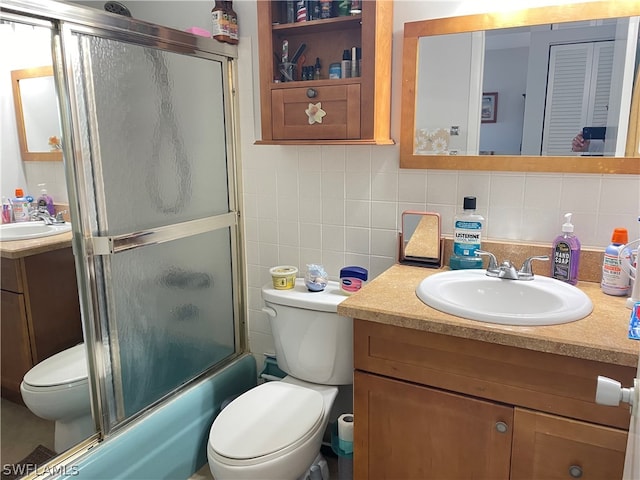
x,y
467,237
565,257
7,210
46,201
615,280
21,207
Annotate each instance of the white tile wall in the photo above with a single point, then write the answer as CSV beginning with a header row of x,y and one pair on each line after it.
x,y
342,205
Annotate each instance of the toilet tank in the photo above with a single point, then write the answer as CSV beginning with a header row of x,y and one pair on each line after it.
x,y
313,343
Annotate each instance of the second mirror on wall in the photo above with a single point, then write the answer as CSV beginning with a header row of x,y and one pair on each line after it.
x,y
37,116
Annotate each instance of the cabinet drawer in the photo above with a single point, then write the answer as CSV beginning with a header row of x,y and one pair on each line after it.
x,y
340,102
546,382
549,447
11,275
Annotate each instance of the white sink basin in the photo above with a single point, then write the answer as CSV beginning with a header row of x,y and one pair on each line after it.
x,y
473,295
28,230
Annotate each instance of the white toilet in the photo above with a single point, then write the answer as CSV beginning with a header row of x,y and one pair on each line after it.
x,y
274,431
58,389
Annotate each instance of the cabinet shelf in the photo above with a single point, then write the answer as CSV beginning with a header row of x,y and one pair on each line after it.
x,y
315,83
315,26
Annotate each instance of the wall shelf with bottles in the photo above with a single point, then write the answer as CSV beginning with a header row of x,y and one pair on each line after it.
x,y
323,25
354,110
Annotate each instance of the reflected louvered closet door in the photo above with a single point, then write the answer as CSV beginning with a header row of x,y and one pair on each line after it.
x,y
578,88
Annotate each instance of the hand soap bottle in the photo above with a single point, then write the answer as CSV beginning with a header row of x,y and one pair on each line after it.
x,y
565,256
46,201
467,237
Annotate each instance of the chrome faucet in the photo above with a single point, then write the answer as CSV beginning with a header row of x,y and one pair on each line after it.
x,y
43,214
506,270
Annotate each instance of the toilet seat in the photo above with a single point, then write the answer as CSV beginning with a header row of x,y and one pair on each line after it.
x,y
64,370
266,422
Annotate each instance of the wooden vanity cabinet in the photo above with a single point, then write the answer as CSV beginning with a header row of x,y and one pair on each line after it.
x,y
358,109
40,313
431,406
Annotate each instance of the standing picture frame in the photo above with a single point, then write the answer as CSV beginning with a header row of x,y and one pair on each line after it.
x,y
489,107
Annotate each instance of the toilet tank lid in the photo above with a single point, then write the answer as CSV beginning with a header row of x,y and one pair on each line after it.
x,y
266,419
68,366
300,297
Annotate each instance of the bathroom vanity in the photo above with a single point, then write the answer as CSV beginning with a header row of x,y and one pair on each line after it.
x,y
40,306
438,396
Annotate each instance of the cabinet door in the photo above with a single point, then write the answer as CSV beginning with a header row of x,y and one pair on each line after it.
x,y
406,431
341,104
54,307
550,447
16,351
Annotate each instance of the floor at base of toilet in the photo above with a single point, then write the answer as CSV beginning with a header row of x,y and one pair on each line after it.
x,y
22,432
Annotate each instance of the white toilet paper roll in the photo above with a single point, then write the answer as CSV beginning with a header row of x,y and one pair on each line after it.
x,y
345,427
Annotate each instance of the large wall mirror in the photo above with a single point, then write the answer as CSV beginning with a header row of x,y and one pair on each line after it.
x,y
37,116
549,89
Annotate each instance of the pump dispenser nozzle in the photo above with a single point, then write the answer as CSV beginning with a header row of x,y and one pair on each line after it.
x,y
567,226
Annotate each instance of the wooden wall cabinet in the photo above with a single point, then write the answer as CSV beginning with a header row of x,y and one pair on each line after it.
x,y
429,406
358,109
40,313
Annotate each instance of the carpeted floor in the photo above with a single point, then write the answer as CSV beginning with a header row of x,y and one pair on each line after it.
x,y
38,457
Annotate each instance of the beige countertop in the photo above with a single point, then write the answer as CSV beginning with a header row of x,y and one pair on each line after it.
x,y
602,336
34,246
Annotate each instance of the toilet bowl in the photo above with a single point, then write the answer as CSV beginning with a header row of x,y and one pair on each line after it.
x,y
275,430
58,389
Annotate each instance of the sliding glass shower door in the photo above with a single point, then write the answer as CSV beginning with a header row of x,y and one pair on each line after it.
x,y
156,214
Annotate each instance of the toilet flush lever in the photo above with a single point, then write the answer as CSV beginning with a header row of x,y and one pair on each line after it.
x,y
270,311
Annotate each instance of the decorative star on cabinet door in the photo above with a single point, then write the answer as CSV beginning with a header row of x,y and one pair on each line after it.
x,y
315,113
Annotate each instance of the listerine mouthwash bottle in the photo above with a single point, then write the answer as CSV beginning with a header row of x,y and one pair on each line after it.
x,y
467,237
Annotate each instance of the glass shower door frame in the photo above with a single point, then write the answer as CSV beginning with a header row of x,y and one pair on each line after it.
x,y
87,204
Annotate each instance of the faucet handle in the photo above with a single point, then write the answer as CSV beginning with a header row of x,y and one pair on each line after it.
x,y
493,262
60,216
526,273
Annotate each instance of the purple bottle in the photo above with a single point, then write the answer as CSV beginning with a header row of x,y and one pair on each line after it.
x,y
565,256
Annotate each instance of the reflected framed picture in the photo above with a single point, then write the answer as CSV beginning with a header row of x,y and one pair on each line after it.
x,y
489,107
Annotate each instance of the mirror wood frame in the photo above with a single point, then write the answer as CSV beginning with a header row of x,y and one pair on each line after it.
x,y
630,164
16,77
